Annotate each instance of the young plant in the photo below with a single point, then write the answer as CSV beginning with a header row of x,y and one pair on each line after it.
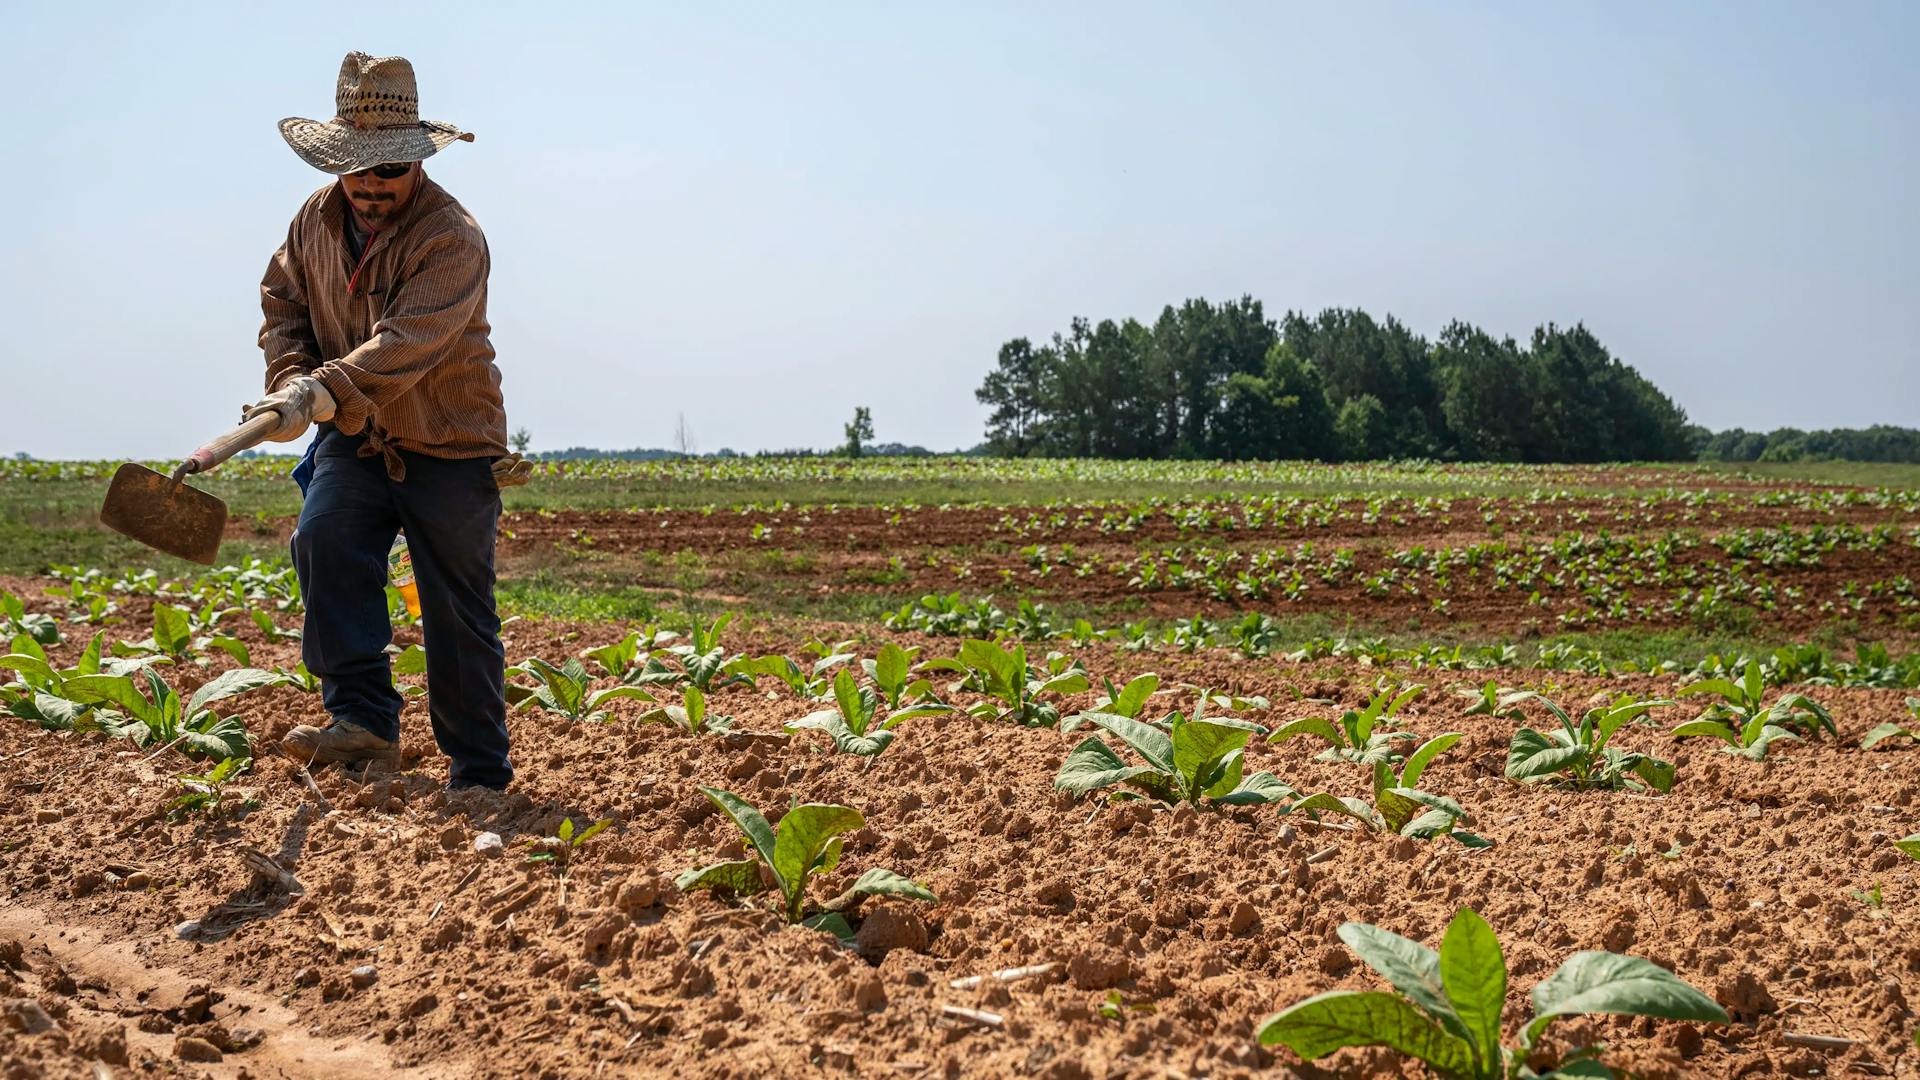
x,y
559,848
15,621
203,793
1194,759
690,715
806,842
1881,732
1357,737
703,661
1404,811
172,636
1748,741
39,692
567,690
1012,686
1448,1009
1493,700
1578,753
856,724
1741,704
159,716
1910,845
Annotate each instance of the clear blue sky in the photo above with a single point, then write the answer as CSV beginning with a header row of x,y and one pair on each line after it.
x,y
764,215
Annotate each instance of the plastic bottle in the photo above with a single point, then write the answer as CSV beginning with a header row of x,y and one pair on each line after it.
x,y
400,569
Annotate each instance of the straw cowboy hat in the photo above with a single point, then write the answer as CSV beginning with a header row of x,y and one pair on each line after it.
x,y
376,120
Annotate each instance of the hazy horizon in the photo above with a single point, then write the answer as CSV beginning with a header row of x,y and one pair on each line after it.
x,y
762,217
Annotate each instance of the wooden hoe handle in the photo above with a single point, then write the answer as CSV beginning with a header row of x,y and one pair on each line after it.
x,y
249,434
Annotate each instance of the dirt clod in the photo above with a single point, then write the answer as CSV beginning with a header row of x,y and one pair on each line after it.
x,y
195,1048
1098,968
1744,997
889,927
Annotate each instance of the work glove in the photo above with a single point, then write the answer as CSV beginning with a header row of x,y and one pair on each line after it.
x,y
299,403
512,471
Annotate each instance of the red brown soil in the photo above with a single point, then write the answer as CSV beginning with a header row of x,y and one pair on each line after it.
x,y
1202,922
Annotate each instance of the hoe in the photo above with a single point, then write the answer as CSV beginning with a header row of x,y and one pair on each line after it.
x,y
165,514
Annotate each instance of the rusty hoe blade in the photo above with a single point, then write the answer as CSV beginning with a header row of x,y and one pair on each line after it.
x,y
164,514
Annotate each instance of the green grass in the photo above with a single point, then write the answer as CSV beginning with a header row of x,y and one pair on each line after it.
x,y
1851,473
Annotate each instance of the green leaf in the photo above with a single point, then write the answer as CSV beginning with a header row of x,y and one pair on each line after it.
x,y
1712,729
1261,787
879,882
228,684
1475,976
1532,755
1312,725
1657,773
1603,982
171,630
830,922
1879,734
1910,845
758,832
1198,746
1134,697
1418,761
89,663
1334,804
34,671
803,839
233,647
565,832
740,877
115,690
890,669
1333,1021
1409,967
1152,743
855,708
1093,765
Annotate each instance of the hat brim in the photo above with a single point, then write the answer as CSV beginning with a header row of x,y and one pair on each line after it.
x,y
334,147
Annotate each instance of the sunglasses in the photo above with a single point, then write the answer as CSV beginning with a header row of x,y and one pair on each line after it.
x,y
386,172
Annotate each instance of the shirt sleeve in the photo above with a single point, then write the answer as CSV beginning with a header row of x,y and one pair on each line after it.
x,y
286,335
430,308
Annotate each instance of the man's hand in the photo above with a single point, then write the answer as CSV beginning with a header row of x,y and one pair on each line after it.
x,y
299,403
512,471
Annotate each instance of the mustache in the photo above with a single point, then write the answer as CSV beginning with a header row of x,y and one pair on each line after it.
x,y
384,196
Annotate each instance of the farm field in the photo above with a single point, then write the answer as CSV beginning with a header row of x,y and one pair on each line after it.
x,y
1085,665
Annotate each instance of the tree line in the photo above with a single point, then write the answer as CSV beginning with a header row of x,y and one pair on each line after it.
x,y
1224,381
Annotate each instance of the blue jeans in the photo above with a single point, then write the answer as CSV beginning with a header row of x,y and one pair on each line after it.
x,y
450,510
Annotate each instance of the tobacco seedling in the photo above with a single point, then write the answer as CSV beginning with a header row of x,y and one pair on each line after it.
x,y
203,793
690,715
567,690
172,636
1357,737
806,842
703,661
15,620
1881,732
856,724
40,694
1194,759
1448,1009
1910,845
1578,753
1403,811
1013,688
1742,704
1750,741
559,847
1493,700
159,715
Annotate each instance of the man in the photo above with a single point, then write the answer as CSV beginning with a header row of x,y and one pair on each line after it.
x,y
376,328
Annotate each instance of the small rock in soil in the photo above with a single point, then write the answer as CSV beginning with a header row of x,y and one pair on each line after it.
x,y
489,844
869,995
26,1016
1097,969
45,817
13,955
136,881
1242,918
194,1048
890,927
363,976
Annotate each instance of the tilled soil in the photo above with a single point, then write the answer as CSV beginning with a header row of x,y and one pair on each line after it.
x,y
1171,932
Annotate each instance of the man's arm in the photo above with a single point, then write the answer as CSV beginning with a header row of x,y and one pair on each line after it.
x,y
286,336
431,307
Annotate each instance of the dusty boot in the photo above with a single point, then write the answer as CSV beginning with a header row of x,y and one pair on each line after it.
x,y
338,741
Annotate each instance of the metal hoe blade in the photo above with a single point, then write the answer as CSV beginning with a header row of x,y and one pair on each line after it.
x,y
164,515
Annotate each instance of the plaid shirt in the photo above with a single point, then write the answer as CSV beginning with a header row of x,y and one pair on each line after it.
x,y
399,340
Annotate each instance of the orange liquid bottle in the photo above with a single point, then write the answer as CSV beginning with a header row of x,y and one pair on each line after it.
x,y
400,569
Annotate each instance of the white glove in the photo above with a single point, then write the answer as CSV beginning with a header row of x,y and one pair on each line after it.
x,y
299,403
